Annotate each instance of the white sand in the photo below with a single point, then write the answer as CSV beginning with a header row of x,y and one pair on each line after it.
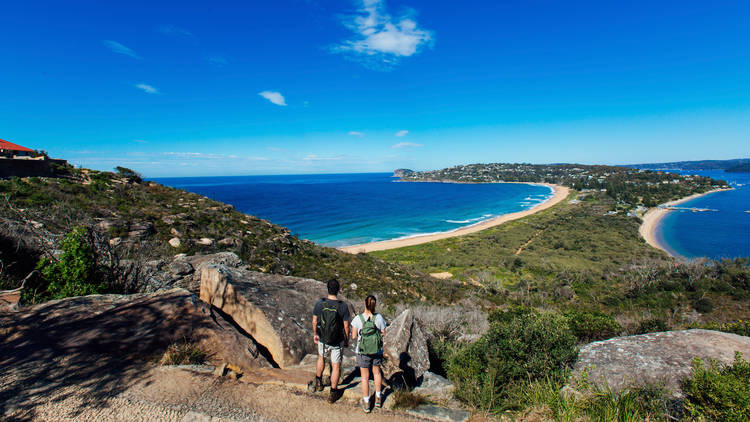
x,y
560,193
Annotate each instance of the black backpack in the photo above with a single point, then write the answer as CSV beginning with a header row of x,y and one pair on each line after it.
x,y
330,323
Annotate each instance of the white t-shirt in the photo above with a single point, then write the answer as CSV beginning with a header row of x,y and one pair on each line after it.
x,y
357,323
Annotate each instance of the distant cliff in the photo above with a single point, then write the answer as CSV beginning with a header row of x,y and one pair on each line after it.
x,y
694,165
402,172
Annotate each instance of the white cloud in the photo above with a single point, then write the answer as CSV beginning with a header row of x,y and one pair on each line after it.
x,y
382,38
174,31
401,133
120,49
147,88
355,133
274,97
406,145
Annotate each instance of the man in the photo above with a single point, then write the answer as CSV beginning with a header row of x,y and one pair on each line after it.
x,y
330,324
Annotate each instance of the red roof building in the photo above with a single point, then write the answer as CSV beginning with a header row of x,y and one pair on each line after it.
x,y
9,148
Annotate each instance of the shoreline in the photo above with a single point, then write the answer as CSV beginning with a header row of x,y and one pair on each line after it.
x,y
652,218
559,193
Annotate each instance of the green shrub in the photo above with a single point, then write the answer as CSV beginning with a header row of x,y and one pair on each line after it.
x,y
129,174
741,327
704,305
183,353
592,325
719,392
72,274
521,345
653,325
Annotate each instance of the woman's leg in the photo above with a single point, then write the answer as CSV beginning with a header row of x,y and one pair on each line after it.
x,y
364,374
378,378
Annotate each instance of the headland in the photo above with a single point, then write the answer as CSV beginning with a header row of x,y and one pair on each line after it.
x,y
559,194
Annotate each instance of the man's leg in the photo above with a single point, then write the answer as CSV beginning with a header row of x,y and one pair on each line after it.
x,y
335,372
319,366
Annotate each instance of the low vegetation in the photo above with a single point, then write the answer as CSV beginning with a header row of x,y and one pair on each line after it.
x,y
132,222
719,392
405,399
183,353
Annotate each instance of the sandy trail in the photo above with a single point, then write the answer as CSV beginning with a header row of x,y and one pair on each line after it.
x,y
654,215
560,193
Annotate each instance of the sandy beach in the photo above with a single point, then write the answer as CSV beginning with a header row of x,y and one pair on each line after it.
x,y
654,215
560,193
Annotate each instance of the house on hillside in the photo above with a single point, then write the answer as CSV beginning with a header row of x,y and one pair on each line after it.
x,y
11,150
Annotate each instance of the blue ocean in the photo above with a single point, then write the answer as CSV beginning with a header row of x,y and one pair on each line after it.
x,y
349,209
724,233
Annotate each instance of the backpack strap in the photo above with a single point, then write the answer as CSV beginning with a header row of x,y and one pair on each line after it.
x,y
362,319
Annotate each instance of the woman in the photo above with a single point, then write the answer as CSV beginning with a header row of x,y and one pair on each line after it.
x,y
368,328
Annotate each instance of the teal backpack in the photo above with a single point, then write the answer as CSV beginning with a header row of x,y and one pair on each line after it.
x,y
370,338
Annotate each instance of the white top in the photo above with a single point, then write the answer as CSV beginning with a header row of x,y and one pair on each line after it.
x,y
357,323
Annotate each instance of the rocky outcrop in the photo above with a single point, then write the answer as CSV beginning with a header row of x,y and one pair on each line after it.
x,y
664,358
275,310
125,327
405,348
182,271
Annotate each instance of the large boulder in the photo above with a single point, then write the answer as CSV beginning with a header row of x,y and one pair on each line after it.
x,y
275,310
405,348
663,358
124,327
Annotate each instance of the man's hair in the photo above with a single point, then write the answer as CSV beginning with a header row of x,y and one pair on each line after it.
x,y
333,287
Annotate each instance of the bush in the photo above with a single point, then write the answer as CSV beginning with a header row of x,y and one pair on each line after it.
x,y
653,325
405,399
704,305
182,354
719,392
741,327
73,274
129,174
592,325
521,345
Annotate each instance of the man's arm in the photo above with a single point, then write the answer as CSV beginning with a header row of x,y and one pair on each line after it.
x,y
346,332
315,328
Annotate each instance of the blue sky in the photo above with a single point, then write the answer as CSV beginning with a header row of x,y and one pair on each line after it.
x,y
292,86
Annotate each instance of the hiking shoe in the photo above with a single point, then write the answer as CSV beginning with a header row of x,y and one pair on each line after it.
x,y
318,384
332,396
379,401
366,406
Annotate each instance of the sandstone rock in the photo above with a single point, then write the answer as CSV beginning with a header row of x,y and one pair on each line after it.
x,y
181,267
664,358
220,370
275,310
435,386
231,241
115,241
168,219
141,230
123,327
175,232
204,241
405,348
175,242
104,225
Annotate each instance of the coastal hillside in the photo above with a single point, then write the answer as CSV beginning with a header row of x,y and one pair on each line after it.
x,y
129,223
627,186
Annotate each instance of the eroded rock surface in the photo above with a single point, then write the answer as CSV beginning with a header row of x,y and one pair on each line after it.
x,y
663,358
275,310
405,348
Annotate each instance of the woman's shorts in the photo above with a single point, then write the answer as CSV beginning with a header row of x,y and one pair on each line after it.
x,y
367,361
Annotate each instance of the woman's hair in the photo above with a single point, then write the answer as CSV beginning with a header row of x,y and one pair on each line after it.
x,y
370,302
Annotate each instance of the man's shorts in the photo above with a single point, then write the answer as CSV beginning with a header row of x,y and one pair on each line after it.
x,y
325,350
367,361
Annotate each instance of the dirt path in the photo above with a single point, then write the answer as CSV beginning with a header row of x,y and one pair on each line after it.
x,y
177,394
